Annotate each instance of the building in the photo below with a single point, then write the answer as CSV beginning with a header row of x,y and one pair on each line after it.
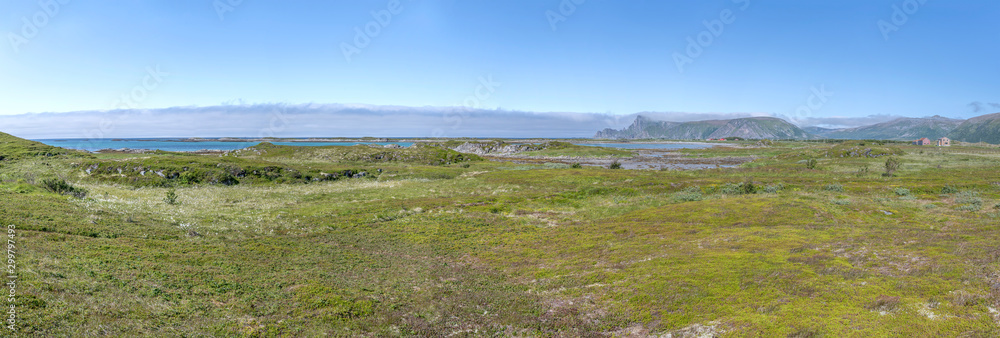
x,y
944,142
922,141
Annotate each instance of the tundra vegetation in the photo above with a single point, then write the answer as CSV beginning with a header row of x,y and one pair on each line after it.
x,y
308,241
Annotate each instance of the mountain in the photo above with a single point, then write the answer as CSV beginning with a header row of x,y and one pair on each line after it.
x,y
899,129
984,128
748,128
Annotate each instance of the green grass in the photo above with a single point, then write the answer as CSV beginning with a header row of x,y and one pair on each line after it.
x,y
557,149
14,148
442,243
417,154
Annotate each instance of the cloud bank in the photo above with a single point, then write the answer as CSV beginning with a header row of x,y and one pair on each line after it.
x,y
308,120
344,120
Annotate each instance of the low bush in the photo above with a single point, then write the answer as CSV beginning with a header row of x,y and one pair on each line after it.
x,y
834,187
862,172
60,186
171,197
901,191
884,303
969,201
742,188
690,194
891,165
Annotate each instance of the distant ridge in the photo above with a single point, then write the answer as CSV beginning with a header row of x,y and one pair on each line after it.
x,y
984,128
899,129
747,128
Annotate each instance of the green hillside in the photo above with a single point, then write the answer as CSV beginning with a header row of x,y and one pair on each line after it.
x,y
902,129
807,239
15,148
984,128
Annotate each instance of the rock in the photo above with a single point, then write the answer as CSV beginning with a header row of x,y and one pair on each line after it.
x,y
495,148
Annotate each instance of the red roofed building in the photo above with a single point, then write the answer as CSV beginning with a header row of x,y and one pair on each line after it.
x,y
922,142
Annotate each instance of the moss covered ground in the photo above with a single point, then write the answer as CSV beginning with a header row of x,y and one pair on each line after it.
x,y
435,243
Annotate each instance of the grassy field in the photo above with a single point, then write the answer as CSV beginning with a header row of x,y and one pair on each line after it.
x,y
556,149
430,242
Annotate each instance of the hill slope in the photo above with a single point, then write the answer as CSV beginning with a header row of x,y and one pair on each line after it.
x,y
898,129
984,128
749,128
14,148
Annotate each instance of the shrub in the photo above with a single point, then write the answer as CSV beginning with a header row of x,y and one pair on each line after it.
x,y
842,202
190,178
964,298
891,165
171,197
226,178
60,186
969,207
862,172
615,165
969,201
690,194
774,188
884,303
949,189
996,206
901,191
742,188
576,166
872,150
834,187
811,164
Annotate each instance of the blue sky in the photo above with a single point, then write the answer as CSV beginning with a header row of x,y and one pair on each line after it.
x,y
605,56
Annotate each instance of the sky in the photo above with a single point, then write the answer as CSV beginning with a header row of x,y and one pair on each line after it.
x,y
797,59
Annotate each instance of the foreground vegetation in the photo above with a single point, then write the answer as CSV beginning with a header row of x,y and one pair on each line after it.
x,y
810,239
